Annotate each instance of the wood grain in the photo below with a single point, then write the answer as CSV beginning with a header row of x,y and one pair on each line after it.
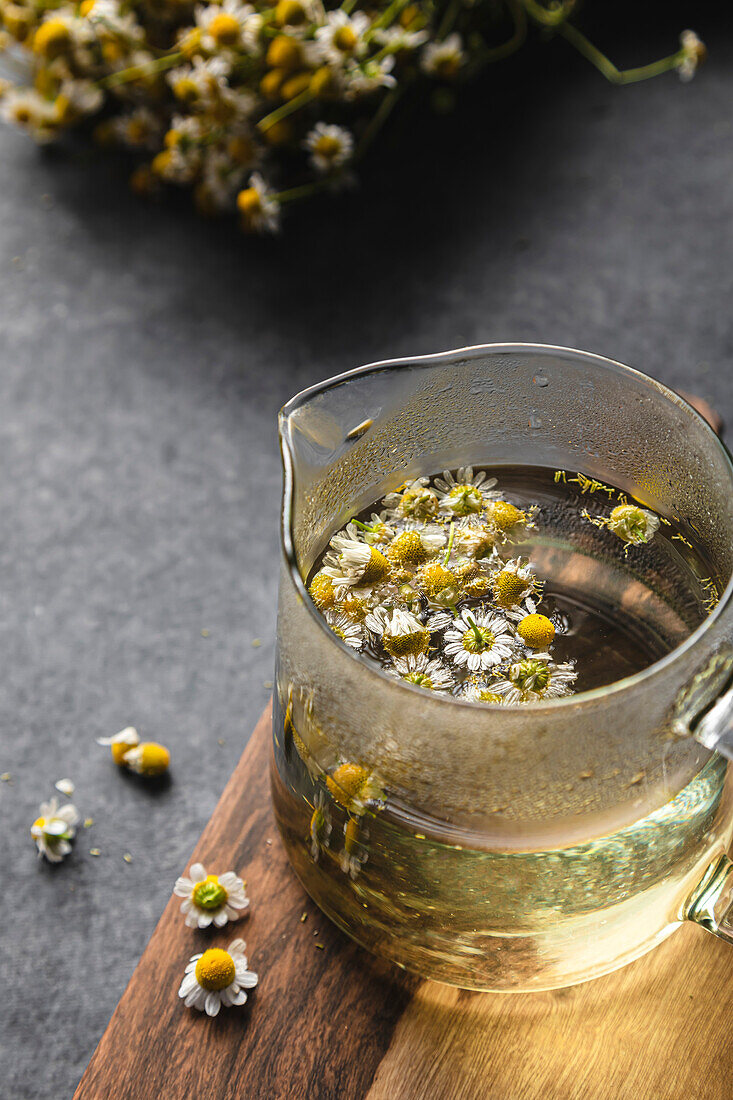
x,y
336,1024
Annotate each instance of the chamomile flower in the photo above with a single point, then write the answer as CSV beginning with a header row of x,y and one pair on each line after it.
x,y
402,633
443,59
346,628
536,678
149,758
376,531
121,743
258,207
54,828
480,640
397,38
366,76
202,82
474,579
474,537
354,854
466,492
513,583
217,977
228,24
536,631
413,547
350,562
330,147
320,827
477,691
424,672
30,110
438,584
342,37
633,524
211,899
508,521
355,788
694,53
415,500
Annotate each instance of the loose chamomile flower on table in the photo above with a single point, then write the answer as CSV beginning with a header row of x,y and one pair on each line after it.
x,y
217,977
401,632
535,679
211,899
330,147
693,53
148,758
466,492
346,628
54,828
415,500
354,788
480,640
424,672
121,743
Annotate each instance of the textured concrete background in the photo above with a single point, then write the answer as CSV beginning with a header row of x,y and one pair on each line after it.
x,y
143,357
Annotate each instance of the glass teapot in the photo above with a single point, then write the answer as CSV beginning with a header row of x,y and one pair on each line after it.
x,y
511,848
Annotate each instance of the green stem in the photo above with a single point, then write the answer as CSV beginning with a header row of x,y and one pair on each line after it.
x,y
546,16
286,109
387,16
377,121
125,76
446,559
305,190
446,23
608,69
498,53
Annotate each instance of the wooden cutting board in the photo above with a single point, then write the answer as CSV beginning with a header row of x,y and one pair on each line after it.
x,y
329,1022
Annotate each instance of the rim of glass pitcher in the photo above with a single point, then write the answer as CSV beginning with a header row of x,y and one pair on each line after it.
x,y
286,516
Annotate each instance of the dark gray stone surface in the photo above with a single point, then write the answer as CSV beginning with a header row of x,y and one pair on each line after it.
x,y
143,357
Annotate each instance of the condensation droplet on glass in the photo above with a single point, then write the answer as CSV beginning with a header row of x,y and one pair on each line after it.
x,y
541,380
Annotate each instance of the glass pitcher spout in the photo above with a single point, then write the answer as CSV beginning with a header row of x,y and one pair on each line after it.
x,y
711,905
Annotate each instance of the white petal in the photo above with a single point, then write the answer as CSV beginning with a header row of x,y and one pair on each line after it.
x,y
249,979
197,871
237,947
212,1004
204,920
183,887
237,998
230,881
189,982
65,786
220,918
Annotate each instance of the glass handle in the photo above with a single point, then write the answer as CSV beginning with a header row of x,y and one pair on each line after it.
x,y
715,729
711,904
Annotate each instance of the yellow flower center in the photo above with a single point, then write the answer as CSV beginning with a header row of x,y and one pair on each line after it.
x,y
209,894
489,697
439,583
377,568
407,645
447,66
224,29
347,783
354,607
345,39
327,146
86,7
249,202
289,13
154,758
321,591
537,631
185,90
407,549
283,53
508,587
419,678
39,823
51,38
506,515
119,748
215,969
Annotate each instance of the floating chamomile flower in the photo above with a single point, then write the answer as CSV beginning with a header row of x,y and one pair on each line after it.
x,y
354,788
415,500
480,640
424,672
401,632
320,827
535,679
121,743
475,582
473,537
508,520
413,547
352,563
322,592
633,524
375,532
54,828
439,584
466,492
217,977
211,899
536,631
474,691
512,583
355,853
346,628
